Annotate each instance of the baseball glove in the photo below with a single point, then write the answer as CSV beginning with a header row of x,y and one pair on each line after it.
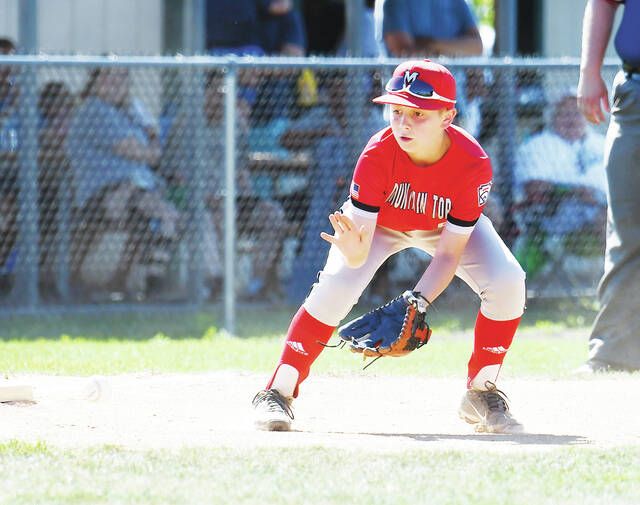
x,y
395,329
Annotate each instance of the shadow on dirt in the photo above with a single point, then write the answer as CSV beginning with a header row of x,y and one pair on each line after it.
x,y
519,439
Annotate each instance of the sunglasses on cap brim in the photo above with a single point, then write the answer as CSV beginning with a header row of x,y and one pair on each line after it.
x,y
417,88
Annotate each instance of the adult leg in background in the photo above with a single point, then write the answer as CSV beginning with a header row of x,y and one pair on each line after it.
x,y
615,337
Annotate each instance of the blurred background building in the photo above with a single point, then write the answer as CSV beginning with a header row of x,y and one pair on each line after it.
x,y
152,27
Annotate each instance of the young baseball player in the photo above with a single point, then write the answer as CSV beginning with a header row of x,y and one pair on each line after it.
x,y
422,182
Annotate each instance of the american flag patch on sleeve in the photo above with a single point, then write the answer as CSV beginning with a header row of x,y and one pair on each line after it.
x,y
355,190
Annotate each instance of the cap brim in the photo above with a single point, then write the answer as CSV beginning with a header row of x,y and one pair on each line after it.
x,y
413,102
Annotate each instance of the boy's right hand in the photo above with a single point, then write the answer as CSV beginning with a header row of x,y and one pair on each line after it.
x,y
353,242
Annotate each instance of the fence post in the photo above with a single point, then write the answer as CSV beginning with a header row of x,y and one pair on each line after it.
x,y
506,45
193,27
230,199
25,291
193,94
354,15
507,27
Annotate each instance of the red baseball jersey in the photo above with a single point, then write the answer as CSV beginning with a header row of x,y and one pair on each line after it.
x,y
407,196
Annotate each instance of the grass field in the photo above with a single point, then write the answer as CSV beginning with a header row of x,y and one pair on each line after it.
x,y
318,475
376,470
554,341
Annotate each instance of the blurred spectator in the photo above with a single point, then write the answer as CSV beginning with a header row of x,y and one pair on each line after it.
x,y
258,28
476,91
282,30
233,26
8,165
532,102
261,221
125,229
324,22
560,187
254,27
531,108
55,107
369,44
477,116
8,89
282,34
55,104
261,224
331,133
424,28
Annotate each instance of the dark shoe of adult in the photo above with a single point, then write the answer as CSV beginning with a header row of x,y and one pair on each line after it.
x,y
596,366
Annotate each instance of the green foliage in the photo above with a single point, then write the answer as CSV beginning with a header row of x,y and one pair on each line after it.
x,y
19,448
485,11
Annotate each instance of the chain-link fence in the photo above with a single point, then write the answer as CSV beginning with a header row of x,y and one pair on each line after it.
x,y
142,181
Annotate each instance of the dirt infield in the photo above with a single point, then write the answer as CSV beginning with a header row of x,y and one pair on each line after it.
x,y
213,409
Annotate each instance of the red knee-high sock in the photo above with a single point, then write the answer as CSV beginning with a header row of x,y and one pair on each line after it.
x,y
492,341
301,346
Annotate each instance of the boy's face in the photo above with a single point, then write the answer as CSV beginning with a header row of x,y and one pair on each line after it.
x,y
416,129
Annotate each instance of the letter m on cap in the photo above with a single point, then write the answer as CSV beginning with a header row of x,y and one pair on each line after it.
x,y
409,77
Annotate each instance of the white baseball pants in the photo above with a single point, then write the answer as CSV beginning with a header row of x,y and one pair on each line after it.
x,y
487,266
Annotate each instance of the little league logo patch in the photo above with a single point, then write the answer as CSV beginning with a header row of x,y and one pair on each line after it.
x,y
483,193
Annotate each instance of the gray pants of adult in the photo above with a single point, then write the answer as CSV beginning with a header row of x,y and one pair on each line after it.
x,y
615,337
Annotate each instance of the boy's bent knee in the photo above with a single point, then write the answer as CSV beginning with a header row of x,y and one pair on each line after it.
x,y
331,298
505,297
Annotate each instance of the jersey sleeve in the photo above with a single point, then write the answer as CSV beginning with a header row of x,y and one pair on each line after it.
x,y
471,199
367,191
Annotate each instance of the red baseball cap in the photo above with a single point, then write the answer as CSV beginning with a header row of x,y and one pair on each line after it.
x,y
420,84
